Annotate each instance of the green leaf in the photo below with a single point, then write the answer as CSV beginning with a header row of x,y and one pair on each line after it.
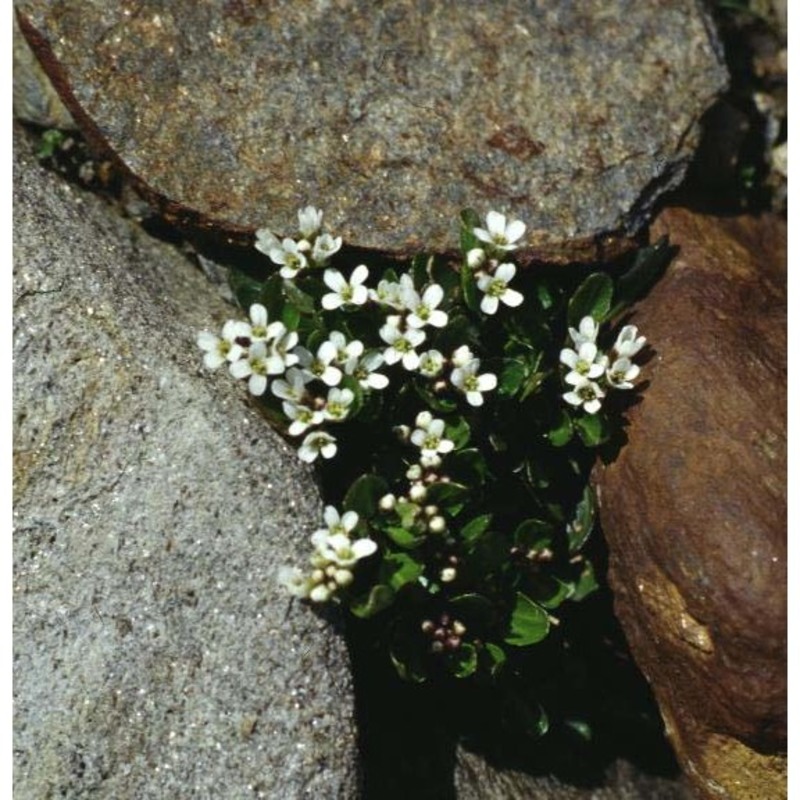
x,y
451,497
544,295
408,663
457,430
468,467
407,513
512,375
446,276
529,623
562,432
533,383
476,527
50,142
580,727
469,221
469,289
398,569
580,528
272,296
497,656
586,583
403,537
290,317
442,403
464,661
420,264
363,496
245,289
591,299
529,716
593,429
552,592
375,601
648,266
303,302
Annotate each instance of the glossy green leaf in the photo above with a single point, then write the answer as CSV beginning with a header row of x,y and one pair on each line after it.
x,y
403,537
451,497
303,302
476,527
533,534
364,494
474,610
468,467
464,661
457,431
648,266
469,290
586,583
497,657
529,623
398,569
591,299
512,375
593,429
561,433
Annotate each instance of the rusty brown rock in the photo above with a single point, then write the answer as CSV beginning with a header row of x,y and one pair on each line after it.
x,y
694,508
392,115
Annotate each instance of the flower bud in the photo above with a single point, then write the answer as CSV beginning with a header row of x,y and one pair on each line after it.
x,y
459,629
437,525
448,575
387,502
414,472
427,626
431,511
343,577
417,492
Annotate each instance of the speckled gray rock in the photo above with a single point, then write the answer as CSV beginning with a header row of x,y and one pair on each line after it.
x,y
392,115
154,654
475,779
34,98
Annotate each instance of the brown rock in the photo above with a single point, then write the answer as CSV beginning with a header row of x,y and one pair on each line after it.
x,y
694,508
391,115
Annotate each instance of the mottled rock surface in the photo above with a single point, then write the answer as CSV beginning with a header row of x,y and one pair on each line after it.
x,y
476,779
694,508
391,115
154,654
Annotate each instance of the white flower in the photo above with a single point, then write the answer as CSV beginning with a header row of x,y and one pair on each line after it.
x,y
466,380
428,436
628,343
320,366
338,549
463,355
402,344
309,221
324,247
585,393
281,354
586,361
289,255
344,523
317,443
254,368
431,363
217,349
587,331
258,323
302,417
387,293
495,289
424,310
476,258
295,581
345,292
266,241
293,389
499,233
321,593
345,351
337,406
621,373
363,371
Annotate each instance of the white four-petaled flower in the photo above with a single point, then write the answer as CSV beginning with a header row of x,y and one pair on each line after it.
x,y
587,361
315,444
621,373
254,368
320,366
402,344
423,310
500,233
585,393
587,331
496,290
429,435
466,379
345,292
629,343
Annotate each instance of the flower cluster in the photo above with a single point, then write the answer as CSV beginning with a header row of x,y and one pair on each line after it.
x,y
591,372
332,561
492,273
311,248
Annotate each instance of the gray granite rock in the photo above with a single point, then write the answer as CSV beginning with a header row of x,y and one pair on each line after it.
x,y
391,115
154,654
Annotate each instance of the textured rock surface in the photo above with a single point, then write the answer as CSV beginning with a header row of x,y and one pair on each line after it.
x,y
394,115
475,779
694,508
154,654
